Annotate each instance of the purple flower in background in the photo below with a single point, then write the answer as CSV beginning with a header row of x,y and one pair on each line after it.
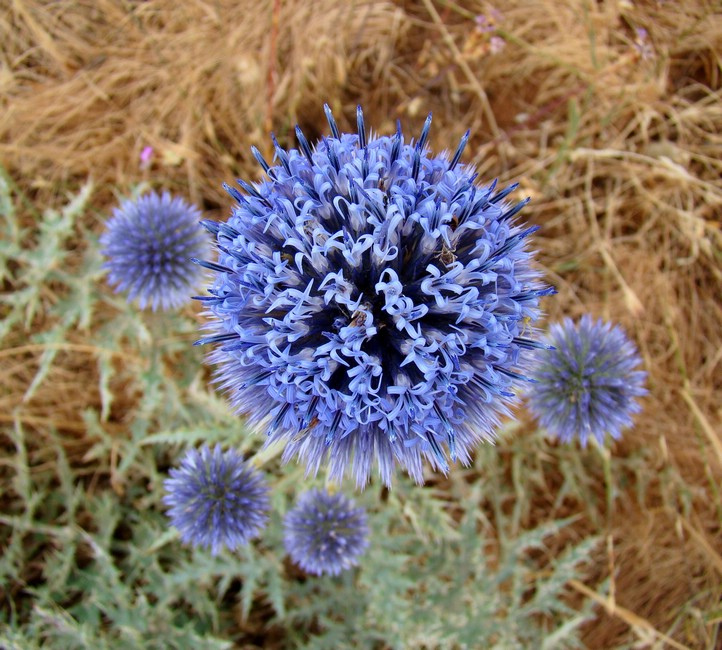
x,y
216,499
642,45
496,44
148,244
369,303
325,533
486,23
588,383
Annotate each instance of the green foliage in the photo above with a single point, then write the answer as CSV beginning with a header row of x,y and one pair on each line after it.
x,y
89,560
460,590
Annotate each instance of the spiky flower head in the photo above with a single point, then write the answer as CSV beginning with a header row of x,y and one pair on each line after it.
x,y
148,243
325,533
216,499
372,298
588,383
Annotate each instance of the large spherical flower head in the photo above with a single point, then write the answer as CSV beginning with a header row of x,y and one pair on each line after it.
x,y
216,499
148,244
325,533
588,383
372,299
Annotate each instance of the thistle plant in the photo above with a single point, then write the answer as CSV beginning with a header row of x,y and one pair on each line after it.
x,y
369,302
216,499
325,533
148,243
113,576
587,384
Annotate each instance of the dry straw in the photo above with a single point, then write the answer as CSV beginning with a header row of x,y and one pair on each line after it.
x,y
621,154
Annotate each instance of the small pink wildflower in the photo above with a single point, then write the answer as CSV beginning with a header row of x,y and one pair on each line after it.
x,y
145,157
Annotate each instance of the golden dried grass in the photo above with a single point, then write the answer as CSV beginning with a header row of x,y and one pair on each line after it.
x,y
621,155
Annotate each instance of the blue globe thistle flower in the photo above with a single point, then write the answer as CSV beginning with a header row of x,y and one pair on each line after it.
x,y
370,300
216,499
325,533
588,382
148,243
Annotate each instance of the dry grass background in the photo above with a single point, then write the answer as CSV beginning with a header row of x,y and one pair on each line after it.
x,y
621,154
